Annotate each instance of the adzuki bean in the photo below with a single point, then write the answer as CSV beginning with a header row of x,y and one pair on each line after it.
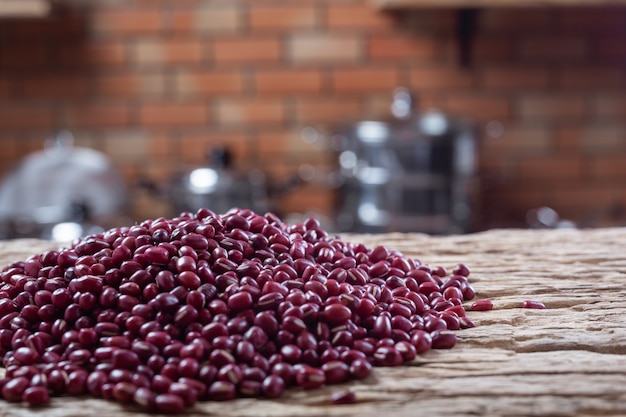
x,y
482,305
210,306
533,304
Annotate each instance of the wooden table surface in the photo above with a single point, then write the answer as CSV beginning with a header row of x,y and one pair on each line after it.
x,y
566,360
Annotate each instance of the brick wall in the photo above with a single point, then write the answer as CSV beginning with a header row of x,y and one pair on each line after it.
x,y
154,84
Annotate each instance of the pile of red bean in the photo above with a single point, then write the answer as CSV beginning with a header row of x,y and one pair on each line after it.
x,y
213,307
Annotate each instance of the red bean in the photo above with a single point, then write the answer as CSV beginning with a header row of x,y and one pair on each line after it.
x,y
360,368
169,404
124,392
189,279
77,382
387,356
186,392
308,377
335,372
407,350
336,314
36,396
240,301
145,398
257,336
482,305
95,381
533,304
461,269
273,386
421,340
466,323
207,306
88,283
14,388
294,324
382,327
125,359
222,391
230,373
443,339
26,356
343,397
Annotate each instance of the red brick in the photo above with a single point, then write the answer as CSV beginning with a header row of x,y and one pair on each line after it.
x,y
208,83
110,53
169,2
506,205
550,47
364,79
603,139
216,19
250,112
609,106
162,145
125,145
489,48
309,199
130,84
23,58
591,78
9,152
498,167
480,108
5,87
519,140
54,86
551,168
283,17
332,109
97,115
169,51
411,47
55,28
436,20
576,200
18,116
609,48
175,114
567,138
247,50
285,145
440,78
125,21
550,107
378,105
516,77
500,20
358,16
288,81
607,167
325,48
594,19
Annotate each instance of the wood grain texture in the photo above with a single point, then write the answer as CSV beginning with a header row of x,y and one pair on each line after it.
x,y
566,360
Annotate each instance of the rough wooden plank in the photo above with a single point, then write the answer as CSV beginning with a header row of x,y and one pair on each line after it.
x,y
563,361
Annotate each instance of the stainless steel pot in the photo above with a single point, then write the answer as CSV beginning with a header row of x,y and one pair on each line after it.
x,y
413,173
216,186
61,189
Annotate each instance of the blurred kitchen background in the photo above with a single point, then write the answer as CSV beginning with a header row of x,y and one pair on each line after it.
x,y
373,115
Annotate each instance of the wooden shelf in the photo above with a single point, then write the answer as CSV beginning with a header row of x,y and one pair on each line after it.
x,y
24,8
415,4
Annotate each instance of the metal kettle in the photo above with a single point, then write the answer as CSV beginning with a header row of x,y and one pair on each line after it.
x,y
62,188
